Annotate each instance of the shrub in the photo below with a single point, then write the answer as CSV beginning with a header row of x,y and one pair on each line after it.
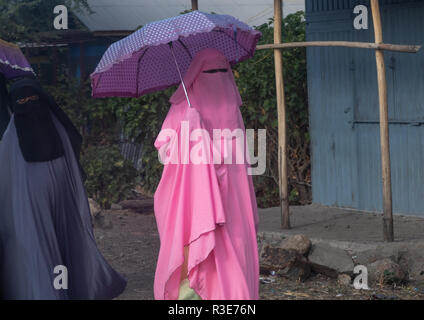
x,y
110,178
256,82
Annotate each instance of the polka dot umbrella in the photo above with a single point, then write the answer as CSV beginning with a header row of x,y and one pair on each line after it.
x,y
13,63
156,56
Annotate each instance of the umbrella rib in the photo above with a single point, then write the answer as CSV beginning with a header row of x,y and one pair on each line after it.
x,y
138,69
185,47
179,73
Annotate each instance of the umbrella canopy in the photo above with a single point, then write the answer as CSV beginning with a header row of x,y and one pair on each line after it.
x,y
12,61
143,62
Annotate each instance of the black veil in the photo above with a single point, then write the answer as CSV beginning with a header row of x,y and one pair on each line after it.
x,y
34,123
4,112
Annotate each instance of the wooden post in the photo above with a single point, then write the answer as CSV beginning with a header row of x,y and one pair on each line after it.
x,y
384,126
194,5
281,108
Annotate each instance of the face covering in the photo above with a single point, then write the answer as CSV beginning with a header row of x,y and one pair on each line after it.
x,y
39,140
4,112
212,91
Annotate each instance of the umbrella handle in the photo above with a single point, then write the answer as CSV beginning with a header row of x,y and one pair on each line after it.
x,y
179,73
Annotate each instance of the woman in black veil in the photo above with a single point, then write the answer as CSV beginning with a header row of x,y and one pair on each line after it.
x,y
4,112
47,246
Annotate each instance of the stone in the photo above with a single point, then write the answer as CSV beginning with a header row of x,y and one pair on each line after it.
x,y
95,208
344,279
286,263
299,242
329,260
412,260
116,207
367,257
386,271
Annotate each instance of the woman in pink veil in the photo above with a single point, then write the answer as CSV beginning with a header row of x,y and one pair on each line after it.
x,y
206,209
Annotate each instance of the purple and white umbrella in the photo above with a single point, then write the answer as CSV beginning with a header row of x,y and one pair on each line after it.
x,y
153,57
13,63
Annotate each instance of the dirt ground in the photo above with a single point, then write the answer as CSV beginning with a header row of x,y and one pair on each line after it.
x,y
130,242
320,287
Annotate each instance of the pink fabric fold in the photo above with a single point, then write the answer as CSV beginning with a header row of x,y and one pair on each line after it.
x,y
209,207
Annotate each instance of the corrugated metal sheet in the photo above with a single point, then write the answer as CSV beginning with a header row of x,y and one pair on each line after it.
x,y
131,151
346,168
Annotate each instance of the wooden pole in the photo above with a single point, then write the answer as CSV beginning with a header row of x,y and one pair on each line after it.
x,y
281,108
194,5
362,45
384,126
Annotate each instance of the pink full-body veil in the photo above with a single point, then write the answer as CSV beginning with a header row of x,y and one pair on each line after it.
x,y
211,208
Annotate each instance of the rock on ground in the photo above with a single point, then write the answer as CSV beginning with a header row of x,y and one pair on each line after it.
x,y
386,271
330,260
344,279
116,207
284,262
299,243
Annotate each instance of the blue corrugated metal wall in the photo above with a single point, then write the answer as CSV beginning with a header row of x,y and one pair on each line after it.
x,y
343,103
